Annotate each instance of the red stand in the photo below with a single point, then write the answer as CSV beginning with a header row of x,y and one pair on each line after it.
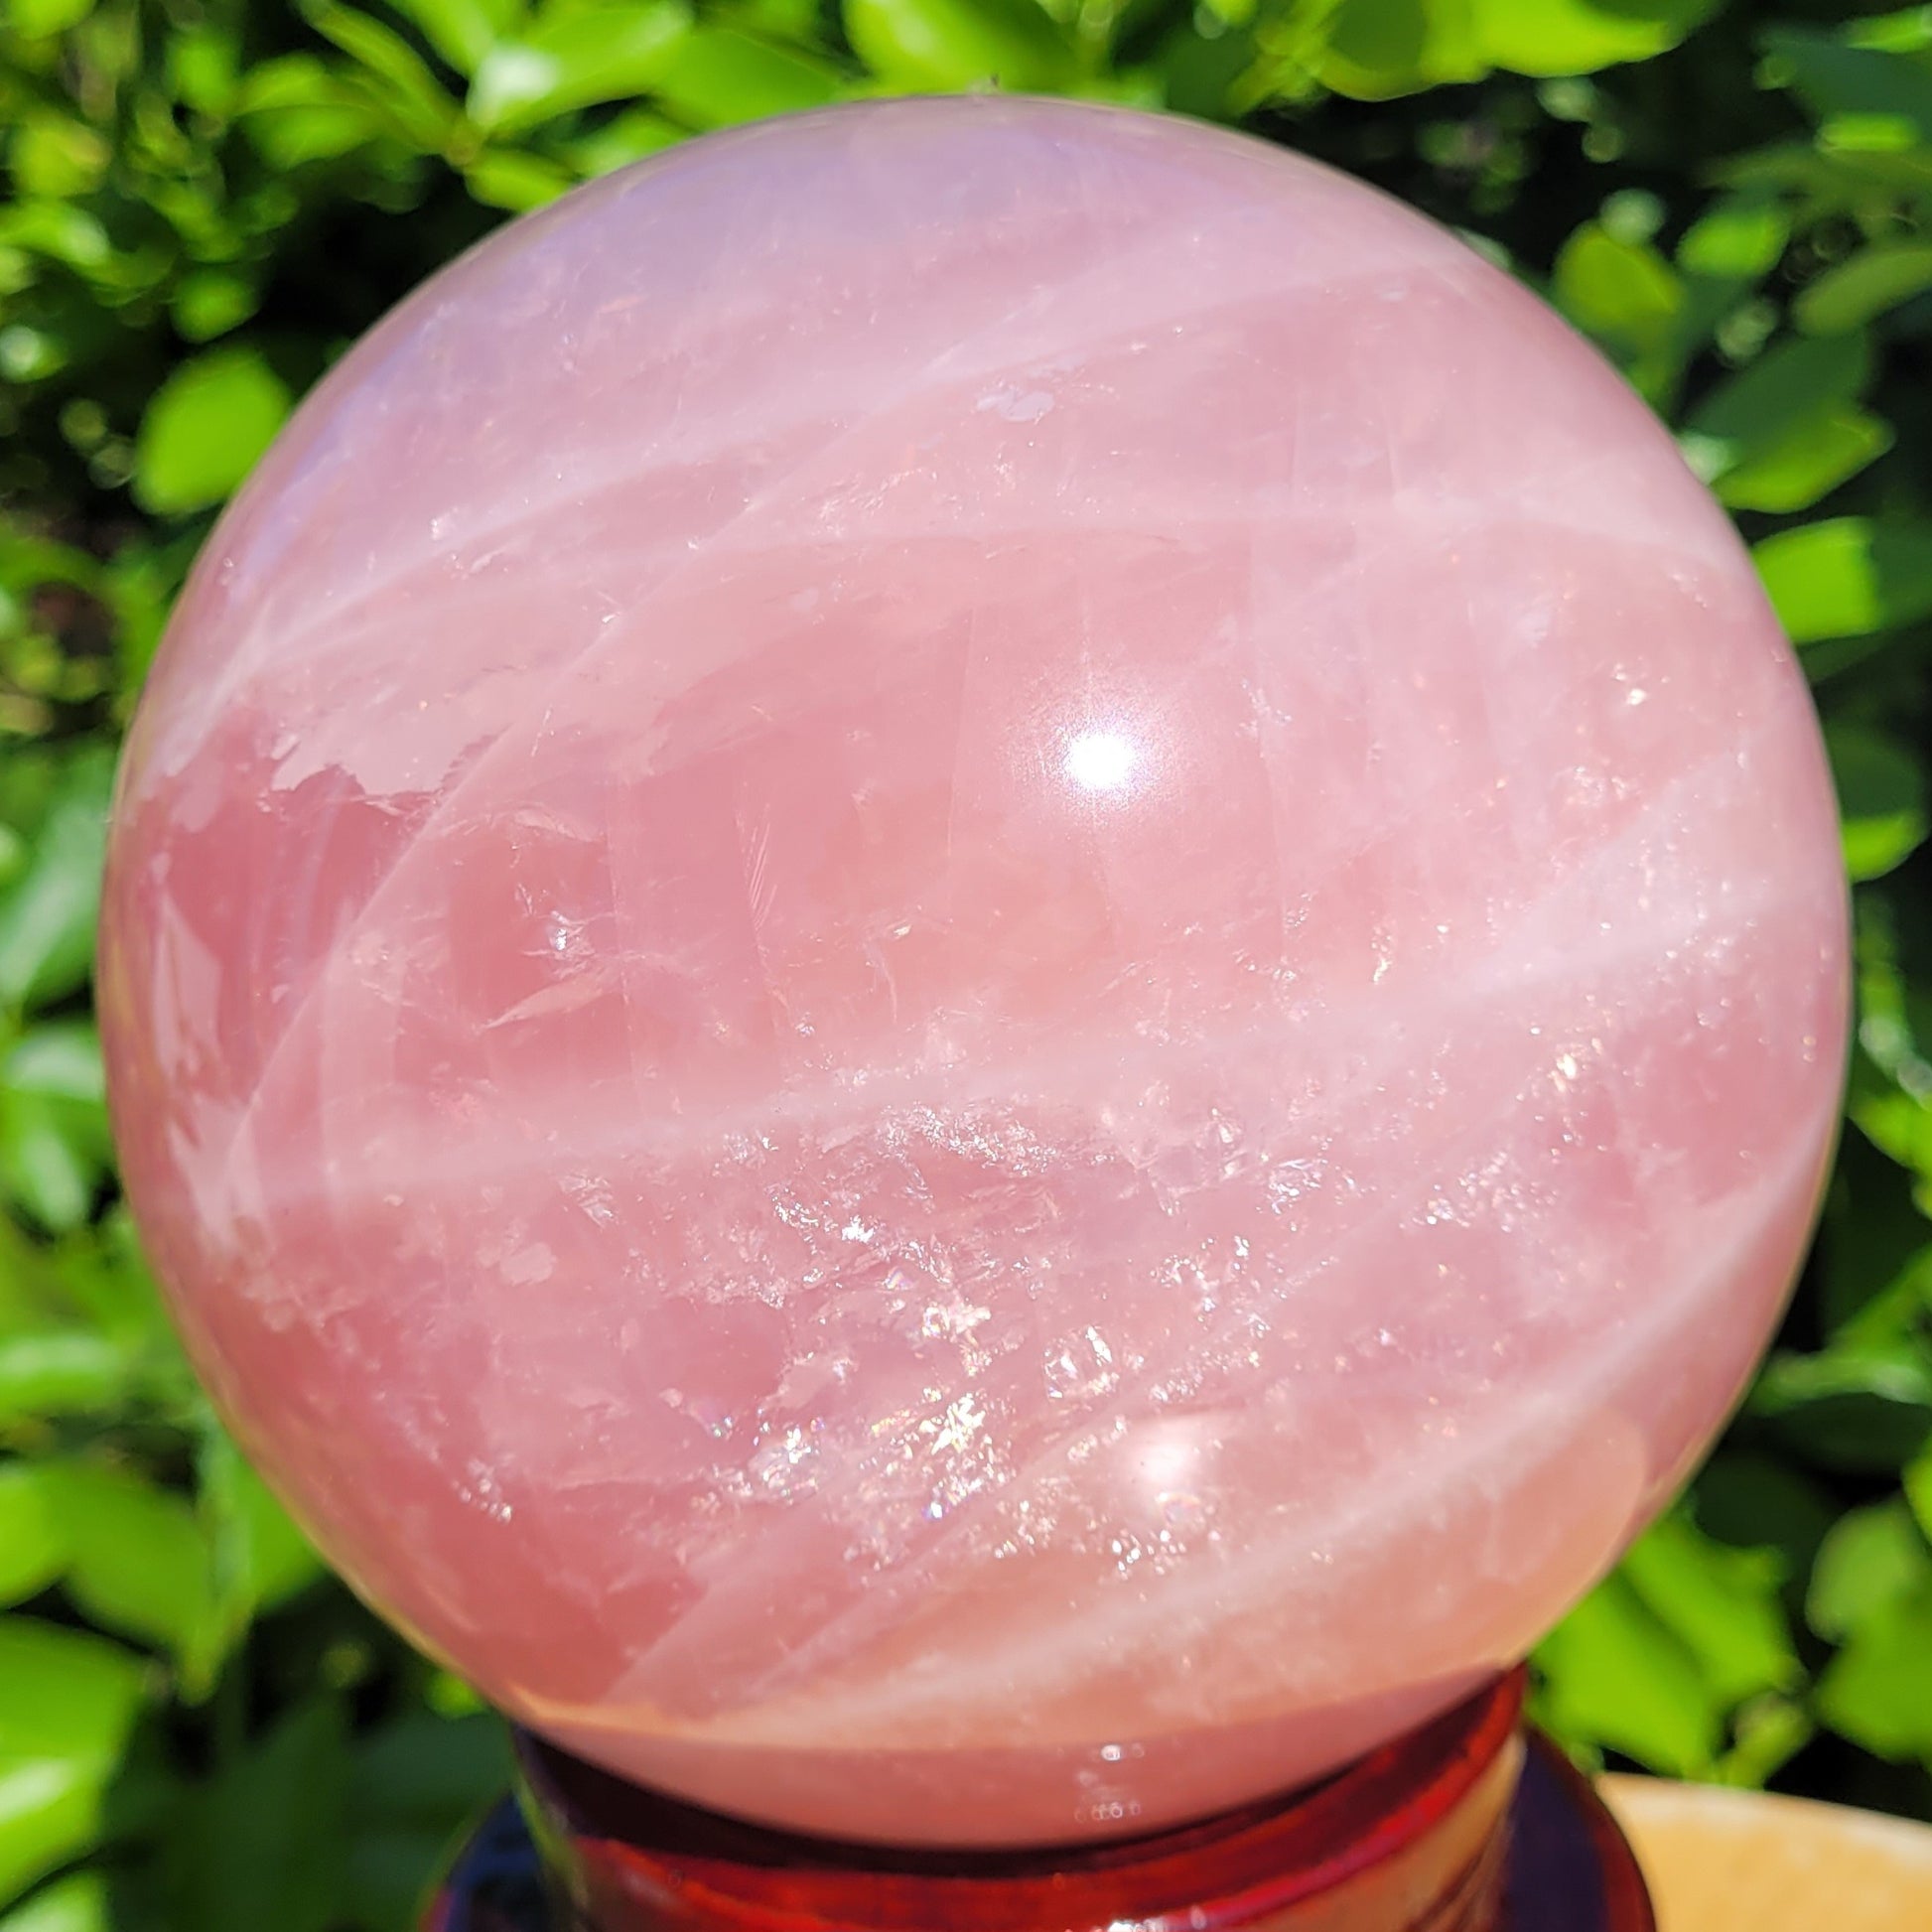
x,y
1467,1825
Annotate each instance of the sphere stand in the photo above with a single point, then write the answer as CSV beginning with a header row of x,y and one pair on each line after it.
x,y
1472,1824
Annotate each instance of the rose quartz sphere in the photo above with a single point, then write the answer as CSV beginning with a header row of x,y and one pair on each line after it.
x,y
974,969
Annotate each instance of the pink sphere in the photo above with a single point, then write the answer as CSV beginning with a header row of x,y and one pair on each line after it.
x,y
974,969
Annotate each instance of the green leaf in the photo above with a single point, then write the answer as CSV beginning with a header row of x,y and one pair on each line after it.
x,y
140,1563
1814,458
204,430
1875,1250
1850,1408
1846,576
1756,409
1722,1603
1839,81
1873,280
1379,49
291,137
296,111
953,43
37,19
1740,238
503,178
1616,1675
209,301
57,231
1754,1501
1549,38
33,1547
68,1702
422,111
1881,794
625,138
59,1373
261,1559
76,1903
1909,31
262,1844
1873,1560
386,1870
1891,1073
428,1771
576,60
1198,72
203,68
48,913
1783,432
462,31
63,1693
1767,1733
56,156
1878,1690
49,1171
720,76
54,1144
1624,293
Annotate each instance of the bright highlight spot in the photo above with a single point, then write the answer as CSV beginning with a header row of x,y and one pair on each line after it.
x,y
1101,760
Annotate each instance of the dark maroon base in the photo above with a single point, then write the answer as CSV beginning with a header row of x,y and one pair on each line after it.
x,y
1568,1869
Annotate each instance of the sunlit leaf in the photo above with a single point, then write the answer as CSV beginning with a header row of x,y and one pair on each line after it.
x,y
210,302
1873,1560
959,43
1812,460
1721,1603
35,19
53,154
1836,78
48,913
1740,238
1881,790
1626,294
574,60
59,230
625,138
1846,576
33,1546
66,1703
1564,36
205,66
206,428
719,76
1783,390
59,1373
1874,1259
1616,1674
1873,280
1917,1485
1877,1689
1863,1409
507,179
406,86
260,1557
463,32
76,1903
139,1561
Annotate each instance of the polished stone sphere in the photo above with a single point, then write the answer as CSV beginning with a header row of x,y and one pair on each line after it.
x,y
974,969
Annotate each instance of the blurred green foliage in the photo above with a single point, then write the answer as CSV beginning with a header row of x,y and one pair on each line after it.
x,y
207,200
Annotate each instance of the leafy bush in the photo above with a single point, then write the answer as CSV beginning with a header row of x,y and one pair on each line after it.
x,y
208,199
